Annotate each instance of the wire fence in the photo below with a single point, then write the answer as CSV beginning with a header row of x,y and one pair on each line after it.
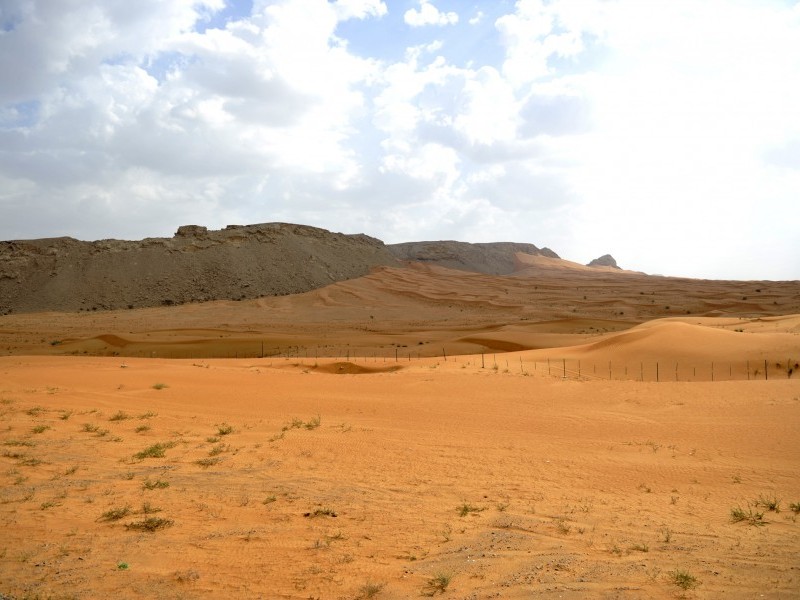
x,y
745,369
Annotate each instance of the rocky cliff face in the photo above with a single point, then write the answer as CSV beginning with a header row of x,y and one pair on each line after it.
x,y
238,262
493,258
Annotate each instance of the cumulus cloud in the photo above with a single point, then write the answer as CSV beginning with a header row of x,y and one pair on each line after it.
x,y
428,14
565,124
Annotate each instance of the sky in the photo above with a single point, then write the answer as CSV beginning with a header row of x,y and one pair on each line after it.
x,y
664,132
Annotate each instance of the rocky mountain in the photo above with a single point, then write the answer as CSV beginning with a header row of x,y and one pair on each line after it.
x,y
196,265
604,261
492,258
272,259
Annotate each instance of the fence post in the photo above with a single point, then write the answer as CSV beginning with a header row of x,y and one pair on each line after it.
x,y
564,361
656,371
766,376
483,364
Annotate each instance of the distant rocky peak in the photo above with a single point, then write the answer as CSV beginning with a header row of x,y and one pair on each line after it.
x,y
604,261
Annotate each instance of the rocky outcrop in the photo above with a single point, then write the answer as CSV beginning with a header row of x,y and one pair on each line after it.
x,y
271,259
497,258
604,261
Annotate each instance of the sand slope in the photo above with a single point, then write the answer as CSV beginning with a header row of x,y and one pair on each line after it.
x,y
410,428
282,480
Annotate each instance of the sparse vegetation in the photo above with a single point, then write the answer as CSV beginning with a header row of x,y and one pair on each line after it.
x,y
207,462
320,512
155,451
218,449
158,484
119,416
90,428
26,443
370,590
150,524
771,503
142,428
795,507
750,516
684,579
160,386
437,584
465,508
40,429
115,514
224,429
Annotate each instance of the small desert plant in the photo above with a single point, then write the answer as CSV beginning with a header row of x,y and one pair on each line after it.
x,y
224,429
269,500
65,415
115,514
35,411
465,508
122,566
207,462
213,439
40,429
795,507
149,509
119,416
218,449
684,579
643,547
738,514
370,590
150,524
320,512
769,502
26,443
160,386
155,451
148,415
142,428
89,428
313,423
158,484
437,584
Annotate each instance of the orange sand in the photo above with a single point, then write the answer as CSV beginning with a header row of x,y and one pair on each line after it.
x,y
369,477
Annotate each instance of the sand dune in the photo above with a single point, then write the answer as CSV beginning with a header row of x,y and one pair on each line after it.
x,y
410,432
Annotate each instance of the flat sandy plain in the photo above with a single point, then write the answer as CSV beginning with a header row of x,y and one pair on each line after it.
x,y
414,432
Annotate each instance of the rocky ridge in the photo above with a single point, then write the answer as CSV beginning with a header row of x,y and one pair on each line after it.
x,y
495,258
238,262
198,265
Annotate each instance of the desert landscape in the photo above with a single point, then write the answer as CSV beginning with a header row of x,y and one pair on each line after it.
x,y
458,421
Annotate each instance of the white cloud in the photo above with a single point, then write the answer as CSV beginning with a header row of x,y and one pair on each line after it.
x,y
359,9
477,18
428,14
571,125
